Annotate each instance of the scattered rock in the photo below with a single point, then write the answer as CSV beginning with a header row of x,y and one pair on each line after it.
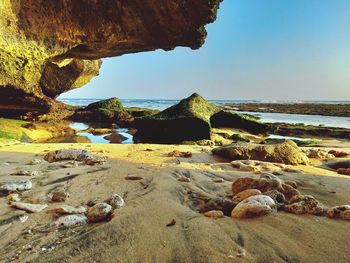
x,y
291,170
116,201
218,180
262,184
26,173
133,177
172,223
35,162
244,195
99,212
79,155
214,214
58,196
288,191
343,171
184,179
67,209
342,212
115,138
319,154
287,152
16,186
277,197
304,204
205,143
71,221
292,183
180,154
338,154
222,204
14,197
257,205
32,208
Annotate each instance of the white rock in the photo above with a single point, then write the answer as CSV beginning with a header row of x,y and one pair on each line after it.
x,y
35,162
253,206
32,208
116,201
67,209
26,173
71,221
16,186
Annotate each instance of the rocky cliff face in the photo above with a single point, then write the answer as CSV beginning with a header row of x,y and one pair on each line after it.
x,y
48,47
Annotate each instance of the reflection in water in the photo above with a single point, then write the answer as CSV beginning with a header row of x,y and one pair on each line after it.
x,y
100,138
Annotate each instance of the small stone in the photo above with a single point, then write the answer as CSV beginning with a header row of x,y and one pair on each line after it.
x,y
218,180
180,154
184,179
277,197
244,195
172,223
99,212
32,208
71,221
343,171
291,170
16,186
304,204
14,197
133,177
23,218
214,214
257,205
59,196
26,173
342,212
67,209
116,201
338,154
35,162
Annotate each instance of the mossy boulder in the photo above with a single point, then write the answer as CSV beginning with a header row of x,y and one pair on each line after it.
x,y
287,152
104,111
238,121
189,120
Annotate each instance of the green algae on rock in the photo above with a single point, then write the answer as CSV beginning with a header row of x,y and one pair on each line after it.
x,y
189,120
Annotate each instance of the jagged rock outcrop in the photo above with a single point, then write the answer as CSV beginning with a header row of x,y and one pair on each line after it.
x,y
51,46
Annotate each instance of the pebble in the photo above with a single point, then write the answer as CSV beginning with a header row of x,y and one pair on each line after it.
x,y
35,162
116,201
14,197
32,208
342,212
67,209
58,196
257,205
16,186
26,173
184,179
218,180
71,221
244,195
99,212
214,214
133,177
304,204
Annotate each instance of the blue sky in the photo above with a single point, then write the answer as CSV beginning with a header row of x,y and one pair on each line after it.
x,y
257,49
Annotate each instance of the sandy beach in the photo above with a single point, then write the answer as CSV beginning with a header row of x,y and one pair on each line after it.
x,y
138,232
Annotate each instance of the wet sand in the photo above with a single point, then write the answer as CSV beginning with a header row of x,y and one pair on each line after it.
x,y
138,232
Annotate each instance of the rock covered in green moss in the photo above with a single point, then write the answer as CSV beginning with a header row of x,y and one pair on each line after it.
x,y
287,152
189,120
238,121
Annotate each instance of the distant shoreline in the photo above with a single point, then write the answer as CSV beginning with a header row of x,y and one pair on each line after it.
x,y
323,109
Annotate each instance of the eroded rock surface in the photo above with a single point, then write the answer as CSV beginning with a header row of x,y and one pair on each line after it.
x,y
49,47
287,152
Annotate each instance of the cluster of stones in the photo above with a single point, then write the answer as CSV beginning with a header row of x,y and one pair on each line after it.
x,y
68,216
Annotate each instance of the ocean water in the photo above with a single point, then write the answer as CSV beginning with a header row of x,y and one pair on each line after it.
x,y
328,121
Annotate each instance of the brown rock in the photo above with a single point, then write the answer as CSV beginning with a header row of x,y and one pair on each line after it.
x,y
244,195
338,154
257,205
342,212
59,196
99,212
287,152
344,171
304,204
261,184
180,154
214,214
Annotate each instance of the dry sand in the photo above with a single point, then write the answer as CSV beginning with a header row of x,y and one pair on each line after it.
x,y
138,232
